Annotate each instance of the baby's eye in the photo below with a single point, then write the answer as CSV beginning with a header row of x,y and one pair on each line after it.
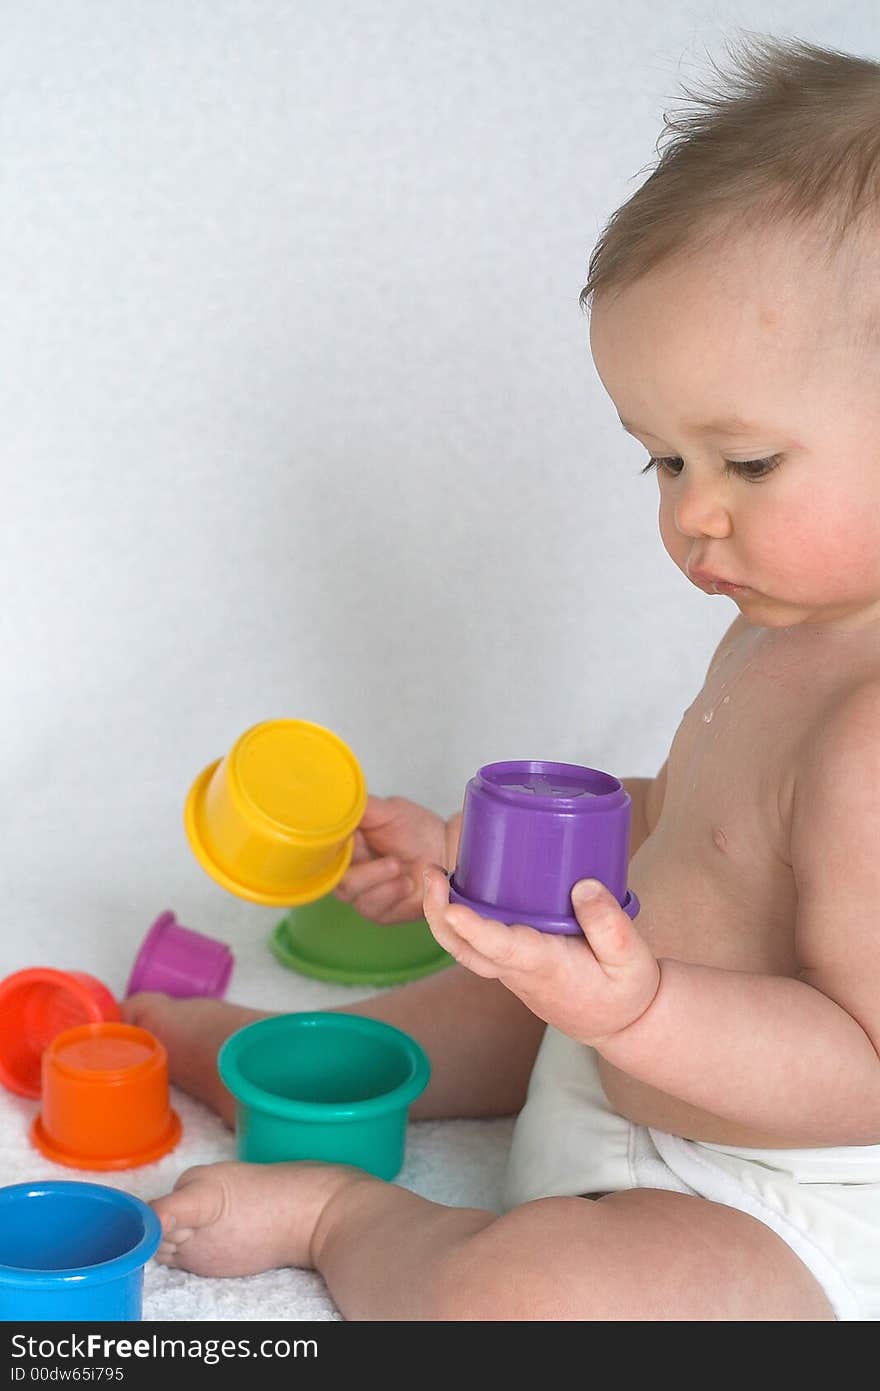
x,y
754,469
663,466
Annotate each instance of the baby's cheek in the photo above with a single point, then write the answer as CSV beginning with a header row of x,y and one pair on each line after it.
x,y
823,552
677,546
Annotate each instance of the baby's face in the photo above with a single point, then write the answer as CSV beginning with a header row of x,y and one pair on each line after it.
x,y
786,504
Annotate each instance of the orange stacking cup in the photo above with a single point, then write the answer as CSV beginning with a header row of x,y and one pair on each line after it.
x,y
274,820
37,1004
105,1099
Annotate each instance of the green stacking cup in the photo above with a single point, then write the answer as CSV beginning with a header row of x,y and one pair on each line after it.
x,y
330,940
321,1085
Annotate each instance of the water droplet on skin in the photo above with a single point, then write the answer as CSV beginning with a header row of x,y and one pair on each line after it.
x,y
707,719
726,700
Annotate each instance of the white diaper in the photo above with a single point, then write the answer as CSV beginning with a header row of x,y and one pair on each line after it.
x,y
824,1203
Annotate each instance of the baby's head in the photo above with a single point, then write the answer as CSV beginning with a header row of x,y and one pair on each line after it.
x,y
735,323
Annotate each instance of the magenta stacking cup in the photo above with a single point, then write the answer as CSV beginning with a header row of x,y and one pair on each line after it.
x,y
180,962
530,830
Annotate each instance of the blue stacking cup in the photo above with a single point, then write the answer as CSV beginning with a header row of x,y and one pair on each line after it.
x,y
73,1252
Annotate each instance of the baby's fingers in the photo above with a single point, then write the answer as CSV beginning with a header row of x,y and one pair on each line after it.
x,y
360,879
435,906
390,904
510,947
360,850
484,946
612,935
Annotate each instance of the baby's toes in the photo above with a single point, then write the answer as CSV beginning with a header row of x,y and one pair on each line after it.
x,y
144,1009
199,1222
196,1201
173,1237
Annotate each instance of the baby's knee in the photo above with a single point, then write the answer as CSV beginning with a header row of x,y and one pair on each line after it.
x,y
507,1270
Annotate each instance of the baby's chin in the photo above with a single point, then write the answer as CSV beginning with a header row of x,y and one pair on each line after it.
x,y
761,610
766,611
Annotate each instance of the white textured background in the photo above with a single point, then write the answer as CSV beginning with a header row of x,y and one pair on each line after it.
x,y
298,418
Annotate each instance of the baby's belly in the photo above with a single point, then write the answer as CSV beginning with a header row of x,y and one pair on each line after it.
x,y
737,917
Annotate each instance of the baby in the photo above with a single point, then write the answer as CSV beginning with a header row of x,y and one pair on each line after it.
x,y
698,1090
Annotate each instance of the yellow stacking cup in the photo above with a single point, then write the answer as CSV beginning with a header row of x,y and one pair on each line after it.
x,y
274,820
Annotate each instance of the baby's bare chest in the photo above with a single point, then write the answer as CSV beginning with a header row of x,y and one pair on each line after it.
x,y
715,876
733,761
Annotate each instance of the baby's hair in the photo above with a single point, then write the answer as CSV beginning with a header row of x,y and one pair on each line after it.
x,y
792,135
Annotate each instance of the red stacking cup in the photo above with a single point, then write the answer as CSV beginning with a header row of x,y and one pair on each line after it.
x,y
36,1005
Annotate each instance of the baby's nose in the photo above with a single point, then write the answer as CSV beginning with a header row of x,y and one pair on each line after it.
x,y
701,510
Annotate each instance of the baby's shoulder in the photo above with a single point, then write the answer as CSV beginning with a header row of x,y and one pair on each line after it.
x,y
842,737
831,760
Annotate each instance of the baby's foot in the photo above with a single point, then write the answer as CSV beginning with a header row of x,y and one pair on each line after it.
x,y
192,1032
240,1219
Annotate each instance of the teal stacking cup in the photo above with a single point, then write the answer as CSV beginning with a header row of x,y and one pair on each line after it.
x,y
321,1085
73,1252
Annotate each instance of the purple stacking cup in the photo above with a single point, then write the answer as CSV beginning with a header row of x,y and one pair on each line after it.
x,y
530,830
180,962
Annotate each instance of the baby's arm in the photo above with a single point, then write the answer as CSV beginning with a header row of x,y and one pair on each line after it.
x,y
797,1057
792,1059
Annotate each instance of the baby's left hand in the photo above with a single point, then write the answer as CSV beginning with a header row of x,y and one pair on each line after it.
x,y
588,987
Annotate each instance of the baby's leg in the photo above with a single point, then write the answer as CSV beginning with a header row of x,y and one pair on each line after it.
x,y
480,1038
192,1032
386,1253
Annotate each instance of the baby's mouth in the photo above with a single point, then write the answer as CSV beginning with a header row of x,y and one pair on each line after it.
x,y
725,587
714,584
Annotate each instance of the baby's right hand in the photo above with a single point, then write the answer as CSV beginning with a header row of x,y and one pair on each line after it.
x,y
395,841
